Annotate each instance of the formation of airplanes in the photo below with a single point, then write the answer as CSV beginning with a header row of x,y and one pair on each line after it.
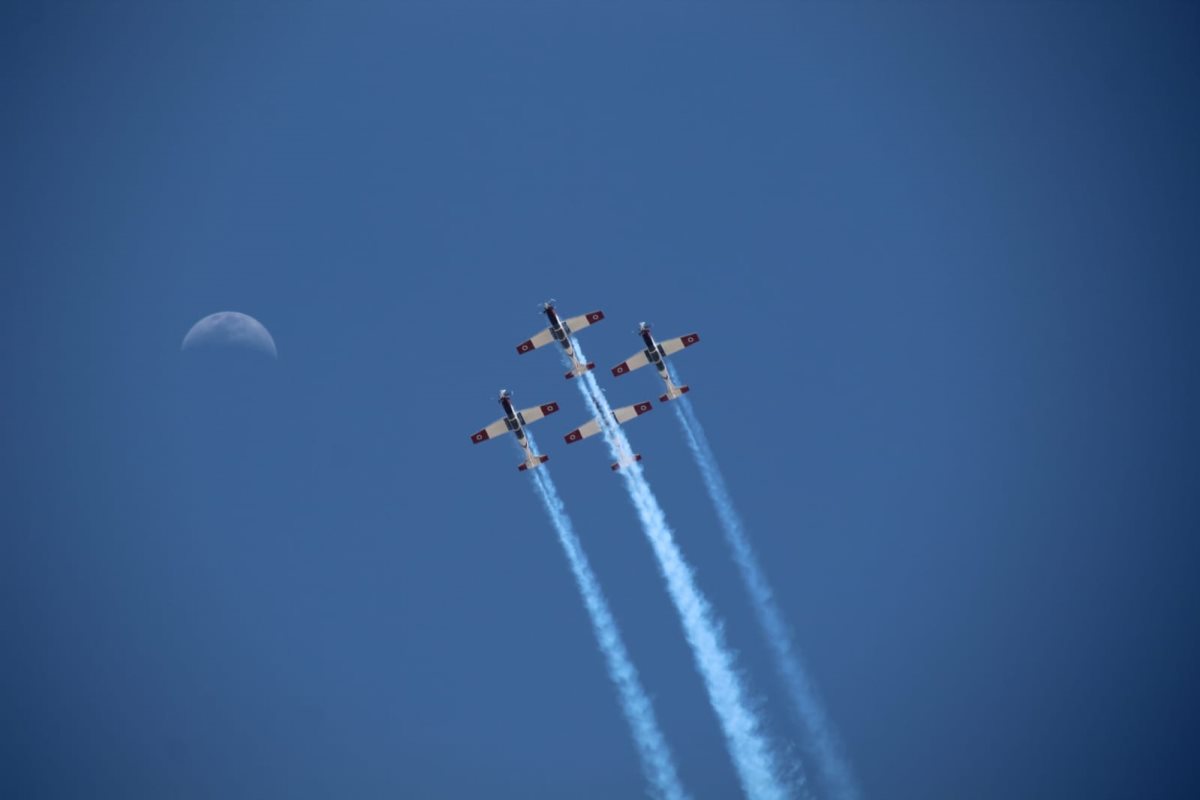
x,y
561,330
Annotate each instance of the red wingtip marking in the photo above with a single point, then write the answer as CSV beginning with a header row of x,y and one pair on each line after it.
x,y
591,365
595,316
691,339
525,347
573,436
569,375
479,437
619,370
544,458
685,389
642,408
550,408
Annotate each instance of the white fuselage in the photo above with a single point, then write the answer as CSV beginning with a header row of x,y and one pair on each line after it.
x,y
656,356
563,336
512,419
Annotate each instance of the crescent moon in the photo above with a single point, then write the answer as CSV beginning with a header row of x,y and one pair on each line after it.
x,y
230,329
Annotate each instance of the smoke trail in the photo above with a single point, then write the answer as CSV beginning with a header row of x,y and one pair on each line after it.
x,y
657,764
821,739
747,744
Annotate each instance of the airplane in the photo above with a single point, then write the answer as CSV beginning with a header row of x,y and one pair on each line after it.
x,y
621,415
515,421
561,331
654,354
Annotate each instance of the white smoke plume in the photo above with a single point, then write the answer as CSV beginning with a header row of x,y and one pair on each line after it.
x,y
821,741
752,756
657,763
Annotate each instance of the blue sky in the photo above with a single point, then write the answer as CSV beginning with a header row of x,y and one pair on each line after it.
x,y
943,261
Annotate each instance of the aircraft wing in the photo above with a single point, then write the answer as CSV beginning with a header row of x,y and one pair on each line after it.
x,y
675,345
623,415
582,321
540,339
535,413
490,432
589,428
635,361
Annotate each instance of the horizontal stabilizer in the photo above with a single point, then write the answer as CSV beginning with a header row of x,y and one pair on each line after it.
x,y
588,367
527,465
673,392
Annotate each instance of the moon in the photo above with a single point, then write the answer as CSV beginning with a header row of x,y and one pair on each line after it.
x,y
230,329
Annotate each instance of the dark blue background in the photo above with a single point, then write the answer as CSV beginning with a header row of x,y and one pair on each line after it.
x,y
943,261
